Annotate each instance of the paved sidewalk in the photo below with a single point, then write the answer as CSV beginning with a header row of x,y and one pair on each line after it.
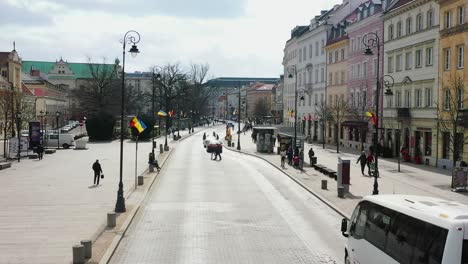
x,y
413,179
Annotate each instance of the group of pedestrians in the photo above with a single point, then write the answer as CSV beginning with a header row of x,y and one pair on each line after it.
x,y
295,157
216,150
366,160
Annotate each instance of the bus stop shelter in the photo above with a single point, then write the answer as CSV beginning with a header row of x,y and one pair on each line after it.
x,y
264,138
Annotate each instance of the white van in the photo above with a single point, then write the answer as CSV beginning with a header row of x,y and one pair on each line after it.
x,y
406,229
65,140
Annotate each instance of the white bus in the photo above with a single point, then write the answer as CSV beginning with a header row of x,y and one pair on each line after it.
x,y
406,229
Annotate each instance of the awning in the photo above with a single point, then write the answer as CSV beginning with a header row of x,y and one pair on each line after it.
x,y
355,123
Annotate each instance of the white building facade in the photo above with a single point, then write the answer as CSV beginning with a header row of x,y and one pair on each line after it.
x,y
411,57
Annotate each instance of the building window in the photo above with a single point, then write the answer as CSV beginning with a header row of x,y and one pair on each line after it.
x,y
390,32
448,19
445,144
316,75
447,58
376,65
429,56
359,43
419,22
418,98
408,98
399,29
336,56
390,64
390,101
418,58
322,47
430,18
342,77
461,15
409,25
330,78
337,76
428,97
398,98
447,100
330,58
399,63
321,100
359,70
351,98
316,99
310,76
300,55
310,51
352,72
408,60
304,53
4,74
461,57
316,48
342,54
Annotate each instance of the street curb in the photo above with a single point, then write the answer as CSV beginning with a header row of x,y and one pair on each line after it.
x,y
318,196
121,232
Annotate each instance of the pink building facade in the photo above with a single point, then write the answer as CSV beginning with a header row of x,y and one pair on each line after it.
x,y
362,73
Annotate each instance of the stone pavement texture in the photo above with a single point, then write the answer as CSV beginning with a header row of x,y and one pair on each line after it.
x,y
413,179
238,210
50,205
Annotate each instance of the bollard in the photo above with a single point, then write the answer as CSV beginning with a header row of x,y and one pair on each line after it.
x,y
140,180
341,192
111,219
166,148
78,254
161,150
324,184
232,144
87,244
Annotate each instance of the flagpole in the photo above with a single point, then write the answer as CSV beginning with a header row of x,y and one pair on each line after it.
x,y
136,161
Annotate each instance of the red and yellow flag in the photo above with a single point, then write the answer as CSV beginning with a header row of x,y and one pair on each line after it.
x,y
374,117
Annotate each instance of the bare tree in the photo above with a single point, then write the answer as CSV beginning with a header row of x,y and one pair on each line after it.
x,y
261,108
338,112
6,110
101,92
358,107
323,111
452,115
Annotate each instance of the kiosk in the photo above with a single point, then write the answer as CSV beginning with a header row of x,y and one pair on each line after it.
x,y
265,139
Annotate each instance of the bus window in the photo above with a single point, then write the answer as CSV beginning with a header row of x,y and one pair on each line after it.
x,y
378,224
465,252
361,220
431,244
402,237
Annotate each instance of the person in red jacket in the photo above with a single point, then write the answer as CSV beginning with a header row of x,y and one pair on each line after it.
x,y
370,160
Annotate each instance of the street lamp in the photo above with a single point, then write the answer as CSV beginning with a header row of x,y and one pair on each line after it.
x,y
57,115
42,126
293,73
18,120
370,42
131,37
238,120
155,77
388,83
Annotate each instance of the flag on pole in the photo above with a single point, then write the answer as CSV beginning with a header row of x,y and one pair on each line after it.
x,y
162,113
374,117
138,124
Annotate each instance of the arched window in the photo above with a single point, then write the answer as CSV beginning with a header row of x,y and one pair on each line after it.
x,y
399,29
409,25
430,18
419,22
390,32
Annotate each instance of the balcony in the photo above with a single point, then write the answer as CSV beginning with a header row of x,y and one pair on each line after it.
x,y
403,113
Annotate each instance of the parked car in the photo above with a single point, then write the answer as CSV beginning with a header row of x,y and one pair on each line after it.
x,y
65,140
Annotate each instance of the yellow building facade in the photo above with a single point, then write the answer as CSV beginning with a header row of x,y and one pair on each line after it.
x,y
453,82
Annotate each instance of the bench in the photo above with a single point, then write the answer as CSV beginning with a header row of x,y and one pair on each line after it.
x,y
318,167
331,173
5,165
33,156
49,151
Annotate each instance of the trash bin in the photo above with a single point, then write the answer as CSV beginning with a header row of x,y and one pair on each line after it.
x,y
341,192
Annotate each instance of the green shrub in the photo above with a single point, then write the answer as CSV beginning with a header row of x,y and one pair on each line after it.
x,y
100,126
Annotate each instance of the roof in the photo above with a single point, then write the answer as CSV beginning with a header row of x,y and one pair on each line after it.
x,y
423,206
81,70
265,87
4,56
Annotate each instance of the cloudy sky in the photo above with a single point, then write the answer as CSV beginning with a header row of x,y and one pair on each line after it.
x,y
235,37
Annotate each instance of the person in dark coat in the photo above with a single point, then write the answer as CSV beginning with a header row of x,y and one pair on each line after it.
x,y
311,154
290,155
97,171
218,150
204,136
40,151
363,160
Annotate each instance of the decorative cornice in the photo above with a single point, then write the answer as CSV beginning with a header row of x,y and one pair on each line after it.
x,y
454,30
404,8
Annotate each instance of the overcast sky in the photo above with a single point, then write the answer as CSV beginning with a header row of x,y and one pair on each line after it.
x,y
235,37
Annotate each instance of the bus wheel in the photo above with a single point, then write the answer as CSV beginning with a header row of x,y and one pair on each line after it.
x,y
65,146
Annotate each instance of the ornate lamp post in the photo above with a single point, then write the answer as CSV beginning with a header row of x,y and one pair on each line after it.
x,y
388,82
131,37
155,77
42,126
18,120
238,120
57,116
293,73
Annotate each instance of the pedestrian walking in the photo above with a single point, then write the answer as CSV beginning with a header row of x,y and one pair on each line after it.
x,y
204,135
296,160
290,155
363,159
40,151
283,157
311,155
301,159
370,160
97,171
218,150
